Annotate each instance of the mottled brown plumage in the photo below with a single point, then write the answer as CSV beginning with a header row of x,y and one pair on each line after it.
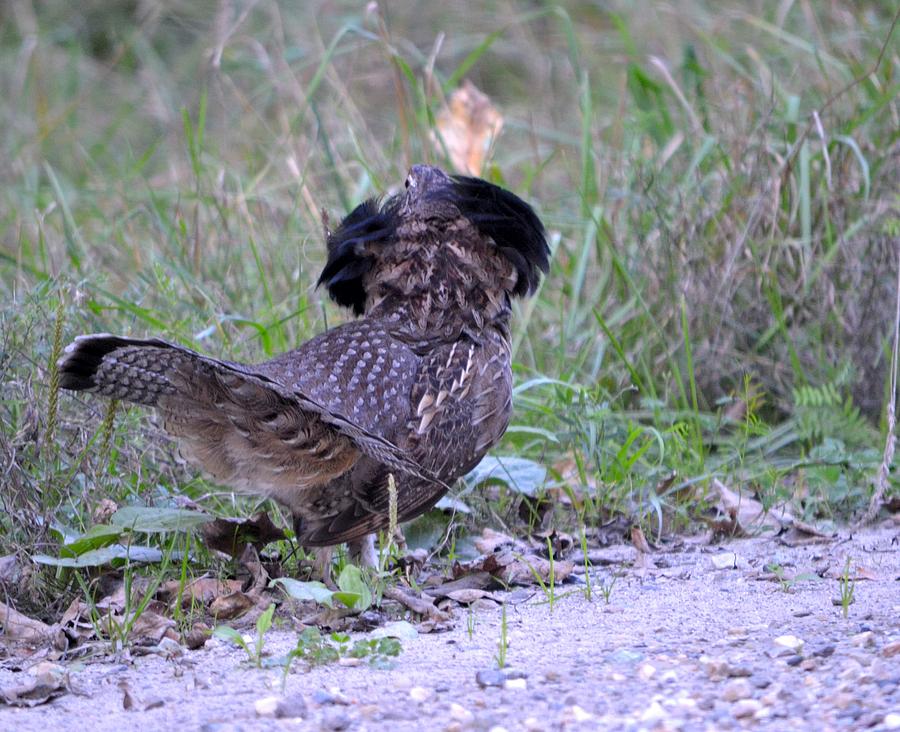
x,y
420,386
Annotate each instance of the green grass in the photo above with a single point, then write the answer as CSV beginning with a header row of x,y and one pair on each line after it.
x,y
723,256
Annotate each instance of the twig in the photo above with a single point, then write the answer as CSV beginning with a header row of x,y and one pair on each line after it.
x,y
881,479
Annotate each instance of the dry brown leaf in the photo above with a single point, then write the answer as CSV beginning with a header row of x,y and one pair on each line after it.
x,y
472,581
467,597
466,128
490,541
639,540
419,604
19,627
151,625
738,515
233,605
201,591
36,690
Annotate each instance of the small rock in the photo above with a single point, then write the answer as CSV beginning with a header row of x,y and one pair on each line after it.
x,y
490,677
420,694
646,671
293,707
739,671
266,706
516,684
760,681
794,660
653,713
865,639
533,724
715,667
320,696
891,649
737,690
725,560
460,713
336,720
579,714
745,708
824,651
808,664
788,644
891,721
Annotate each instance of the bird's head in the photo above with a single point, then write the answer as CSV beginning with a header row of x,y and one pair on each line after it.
x,y
436,216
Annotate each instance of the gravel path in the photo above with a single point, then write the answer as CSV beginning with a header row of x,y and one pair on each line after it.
x,y
682,645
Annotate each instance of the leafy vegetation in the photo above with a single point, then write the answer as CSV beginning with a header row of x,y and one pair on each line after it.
x,y
720,185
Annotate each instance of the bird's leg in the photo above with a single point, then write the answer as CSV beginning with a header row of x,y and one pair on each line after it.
x,y
363,551
322,565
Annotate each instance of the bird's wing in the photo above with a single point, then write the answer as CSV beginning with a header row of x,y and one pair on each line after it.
x,y
254,427
460,408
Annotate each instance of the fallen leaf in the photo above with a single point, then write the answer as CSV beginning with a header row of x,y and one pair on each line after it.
x,y
37,690
466,128
201,591
472,581
467,597
490,541
228,607
639,540
739,515
19,627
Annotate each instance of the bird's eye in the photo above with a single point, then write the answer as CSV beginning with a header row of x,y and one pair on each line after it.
x,y
406,183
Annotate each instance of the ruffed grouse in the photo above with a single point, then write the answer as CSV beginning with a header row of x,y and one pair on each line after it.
x,y
419,386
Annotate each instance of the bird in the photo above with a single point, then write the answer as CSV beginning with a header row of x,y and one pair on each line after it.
x,y
415,389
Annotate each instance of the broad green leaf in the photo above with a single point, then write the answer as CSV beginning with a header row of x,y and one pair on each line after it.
x,y
151,520
315,591
115,554
351,582
94,538
522,475
398,629
231,635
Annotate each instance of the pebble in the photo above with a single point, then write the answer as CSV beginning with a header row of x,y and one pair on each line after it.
x,y
788,644
292,707
824,651
490,677
266,706
460,713
646,671
653,713
420,694
891,721
515,684
576,714
336,720
746,708
794,660
725,560
891,649
736,690
865,639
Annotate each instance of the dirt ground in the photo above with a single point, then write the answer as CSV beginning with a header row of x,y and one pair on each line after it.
x,y
696,639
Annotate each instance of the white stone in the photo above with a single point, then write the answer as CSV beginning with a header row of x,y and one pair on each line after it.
x,y
789,643
420,694
266,706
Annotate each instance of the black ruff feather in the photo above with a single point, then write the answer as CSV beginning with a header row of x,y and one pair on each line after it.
x,y
510,222
348,262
